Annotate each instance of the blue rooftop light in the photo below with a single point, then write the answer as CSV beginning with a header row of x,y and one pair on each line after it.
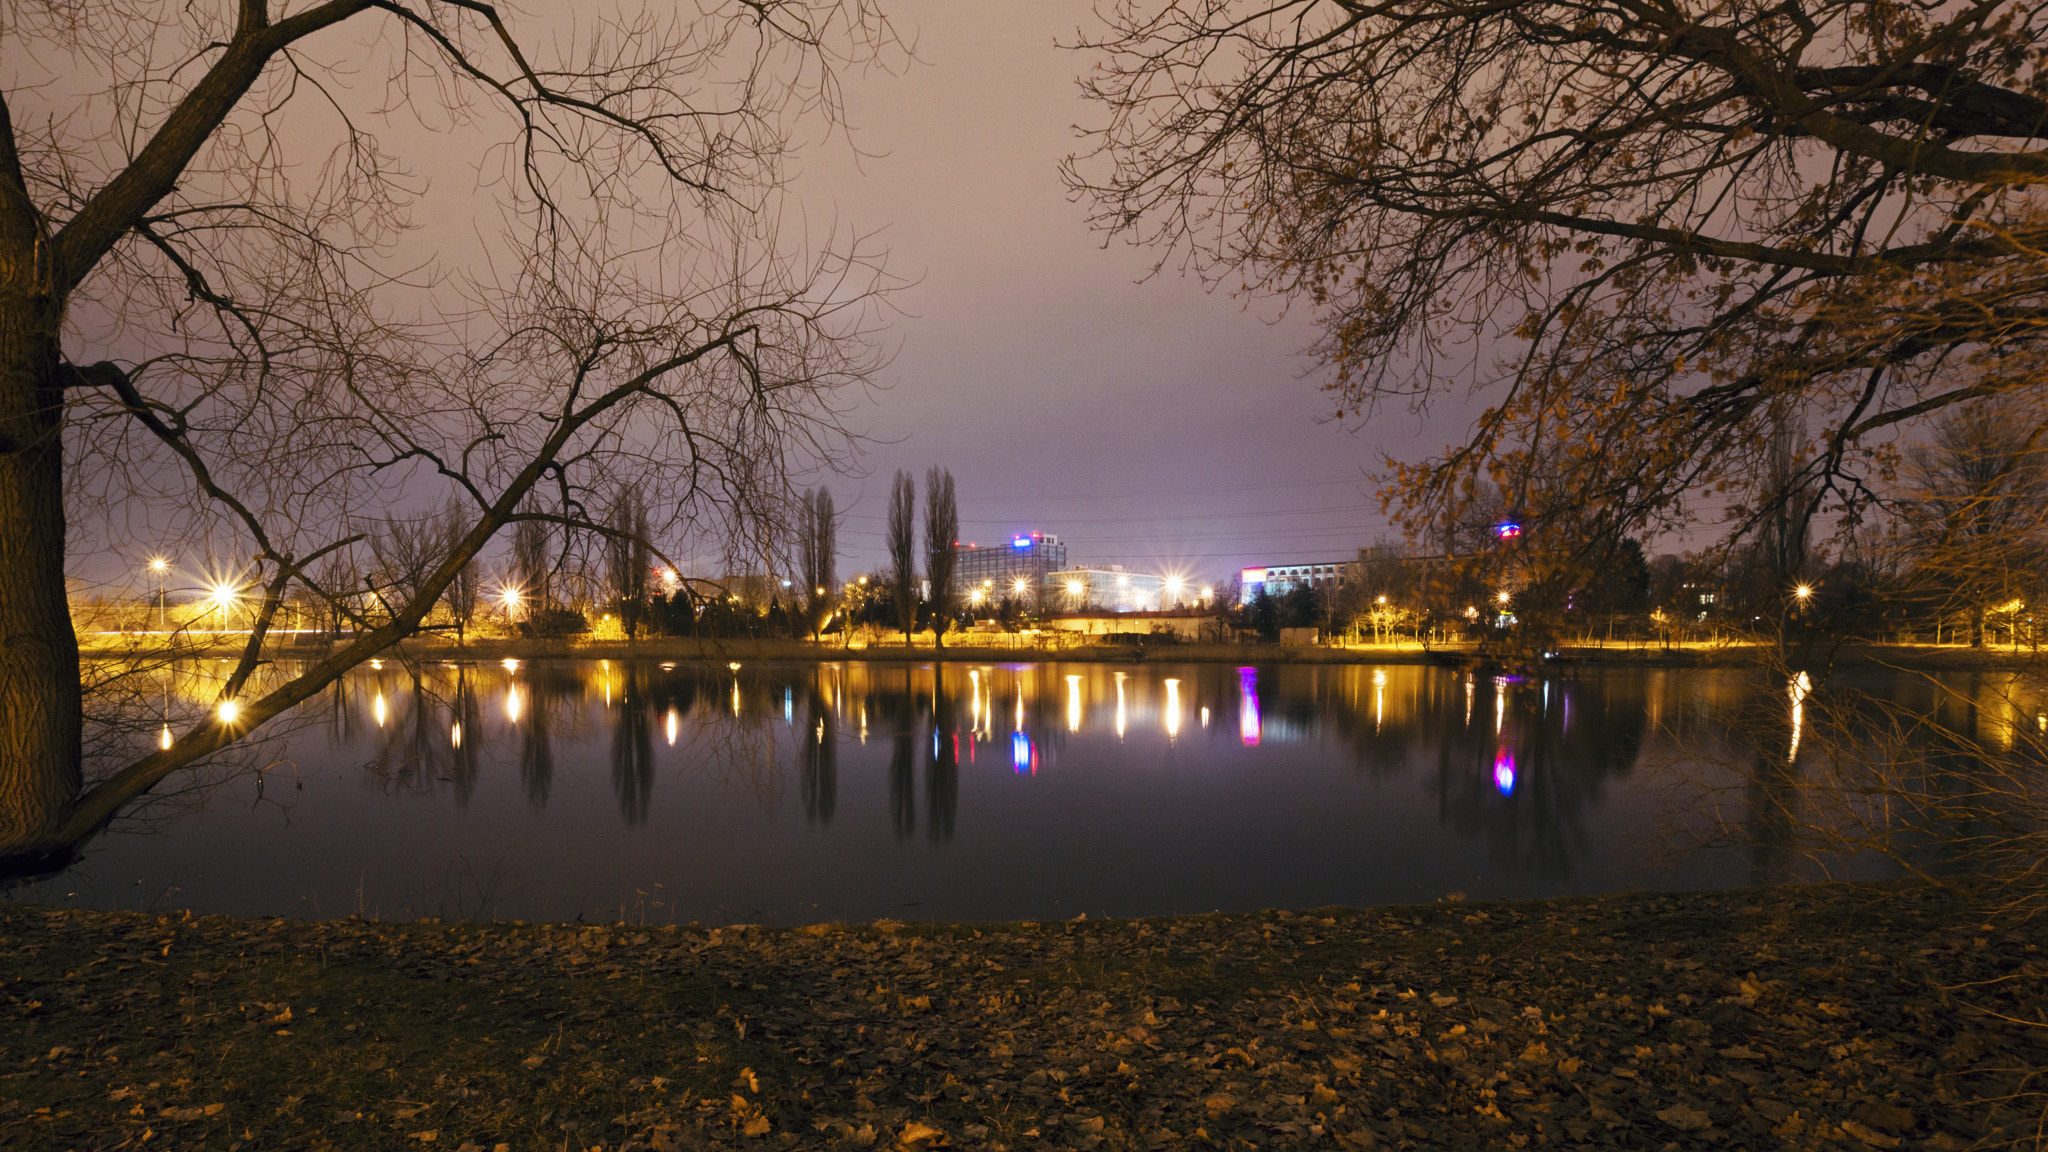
x,y
1020,541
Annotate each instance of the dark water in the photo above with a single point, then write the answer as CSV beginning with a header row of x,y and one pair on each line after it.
x,y
798,793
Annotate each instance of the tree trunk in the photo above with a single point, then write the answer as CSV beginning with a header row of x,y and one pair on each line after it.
x,y
39,685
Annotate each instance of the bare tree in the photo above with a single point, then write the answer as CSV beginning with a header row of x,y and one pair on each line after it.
x,y
1650,234
1973,507
464,590
941,538
629,558
533,566
222,237
903,552
817,541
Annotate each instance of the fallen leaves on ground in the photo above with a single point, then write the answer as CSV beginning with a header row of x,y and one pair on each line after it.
x,y
1830,1017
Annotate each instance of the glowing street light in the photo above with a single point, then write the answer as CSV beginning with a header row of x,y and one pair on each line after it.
x,y
223,596
1502,597
228,711
159,565
1803,592
1021,586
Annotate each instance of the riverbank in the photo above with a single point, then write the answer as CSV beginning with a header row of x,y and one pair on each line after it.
x,y
1828,1016
1023,650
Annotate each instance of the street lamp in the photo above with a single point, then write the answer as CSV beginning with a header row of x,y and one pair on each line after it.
x,y
159,565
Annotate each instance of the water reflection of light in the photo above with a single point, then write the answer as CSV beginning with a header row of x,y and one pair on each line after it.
x,y
377,709
1504,771
1021,758
789,706
163,738
1469,686
1019,725
672,723
455,734
1073,703
974,698
376,665
1119,705
1205,715
1500,704
1801,687
513,704
1379,698
1172,708
1248,705
509,664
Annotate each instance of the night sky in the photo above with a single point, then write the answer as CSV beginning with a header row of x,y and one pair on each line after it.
x,y
1152,423
1156,425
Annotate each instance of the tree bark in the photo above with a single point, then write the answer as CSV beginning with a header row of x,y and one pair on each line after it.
x,y
39,677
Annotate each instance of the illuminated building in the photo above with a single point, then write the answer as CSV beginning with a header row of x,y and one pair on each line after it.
x,y
1280,579
995,570
1109,589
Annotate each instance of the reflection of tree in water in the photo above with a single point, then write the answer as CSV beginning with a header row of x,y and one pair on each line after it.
x,y
942,777
633,750
820,761
409,754
465,737
1529,791
900,712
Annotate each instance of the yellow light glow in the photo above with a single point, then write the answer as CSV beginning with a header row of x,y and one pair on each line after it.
x,y
734,666
1021,585
1381,600
158,564
673,724
1073,703
377,711
228,710
1502,597
1172,709
1803,591
513,704
163,738
455,734
1073,587
509,664
510,598
223,596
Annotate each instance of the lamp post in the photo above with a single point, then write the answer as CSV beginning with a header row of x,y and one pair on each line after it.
x,y
159,565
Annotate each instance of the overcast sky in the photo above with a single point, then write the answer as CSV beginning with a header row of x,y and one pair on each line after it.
x,y
1156,424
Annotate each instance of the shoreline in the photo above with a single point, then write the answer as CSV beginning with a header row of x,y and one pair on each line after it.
x,y
1914,657
1852,1016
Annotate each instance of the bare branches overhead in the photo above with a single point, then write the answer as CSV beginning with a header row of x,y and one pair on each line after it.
x,y
1649,232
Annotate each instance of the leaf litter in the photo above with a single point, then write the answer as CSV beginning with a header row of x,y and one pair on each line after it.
x,y
1844,1017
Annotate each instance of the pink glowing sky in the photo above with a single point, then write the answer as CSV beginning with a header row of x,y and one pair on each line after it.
x,y
1153,424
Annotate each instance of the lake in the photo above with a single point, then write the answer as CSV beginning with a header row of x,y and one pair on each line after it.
x,y
798,793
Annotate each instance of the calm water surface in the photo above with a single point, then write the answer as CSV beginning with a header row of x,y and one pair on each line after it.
x,y
797,793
